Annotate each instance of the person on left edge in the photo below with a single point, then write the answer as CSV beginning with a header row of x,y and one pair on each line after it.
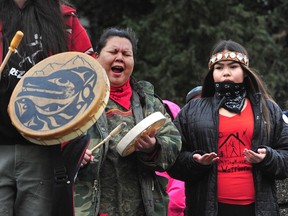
x,y
109,184
27,169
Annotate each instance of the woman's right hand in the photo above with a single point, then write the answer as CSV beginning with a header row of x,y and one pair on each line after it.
x,y
206,159
88,157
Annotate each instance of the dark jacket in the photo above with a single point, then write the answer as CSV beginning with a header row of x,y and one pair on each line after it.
x,y
198,126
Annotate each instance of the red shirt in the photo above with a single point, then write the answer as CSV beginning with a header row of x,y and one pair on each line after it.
x,y
235,179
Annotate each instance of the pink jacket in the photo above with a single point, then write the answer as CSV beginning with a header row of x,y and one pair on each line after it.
x,y
176,191
175,188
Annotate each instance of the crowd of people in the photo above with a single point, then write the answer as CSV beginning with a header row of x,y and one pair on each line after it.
x,y
222,152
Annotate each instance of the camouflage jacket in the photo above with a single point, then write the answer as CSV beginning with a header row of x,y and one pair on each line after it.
x,y
153,187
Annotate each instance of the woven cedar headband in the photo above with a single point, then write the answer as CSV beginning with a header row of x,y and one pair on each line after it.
x,y
228,56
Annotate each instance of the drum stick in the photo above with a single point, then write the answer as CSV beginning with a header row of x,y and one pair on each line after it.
x,y
13,45
113,133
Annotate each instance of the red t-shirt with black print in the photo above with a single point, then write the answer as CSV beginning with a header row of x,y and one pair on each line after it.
x,y
235,179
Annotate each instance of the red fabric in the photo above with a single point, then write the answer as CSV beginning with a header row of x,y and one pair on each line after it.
x,y
64,144
67,10
78,39
122,95
235,179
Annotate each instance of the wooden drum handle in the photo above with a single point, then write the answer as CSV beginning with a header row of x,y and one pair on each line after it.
x,y
113,133
13,45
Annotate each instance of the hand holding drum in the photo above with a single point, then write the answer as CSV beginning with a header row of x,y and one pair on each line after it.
x,y
127,145
147,126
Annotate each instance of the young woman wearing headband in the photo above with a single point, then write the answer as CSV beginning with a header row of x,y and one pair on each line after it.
x,y
234,141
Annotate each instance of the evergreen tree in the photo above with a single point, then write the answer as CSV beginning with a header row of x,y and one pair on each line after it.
x,y
175,38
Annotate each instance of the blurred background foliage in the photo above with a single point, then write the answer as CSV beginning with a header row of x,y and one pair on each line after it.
x,y
176,37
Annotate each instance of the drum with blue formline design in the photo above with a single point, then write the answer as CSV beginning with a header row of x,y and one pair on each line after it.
x,y
59,98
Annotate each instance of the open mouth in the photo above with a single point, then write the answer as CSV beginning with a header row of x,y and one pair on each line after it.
x,y
117,69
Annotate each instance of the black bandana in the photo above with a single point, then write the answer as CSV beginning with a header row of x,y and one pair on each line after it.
x,y
234,94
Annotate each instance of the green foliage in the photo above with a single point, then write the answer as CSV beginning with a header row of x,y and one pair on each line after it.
x,y
176,37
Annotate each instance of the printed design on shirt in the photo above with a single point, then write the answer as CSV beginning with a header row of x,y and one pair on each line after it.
x,y
37,45
27,58
113,112
56,94
230,152
17,73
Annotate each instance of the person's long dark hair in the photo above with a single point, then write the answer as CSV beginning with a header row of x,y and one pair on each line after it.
x,y
253,82
38,16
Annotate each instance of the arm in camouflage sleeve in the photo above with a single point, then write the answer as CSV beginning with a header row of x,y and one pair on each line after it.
x,y
168,142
